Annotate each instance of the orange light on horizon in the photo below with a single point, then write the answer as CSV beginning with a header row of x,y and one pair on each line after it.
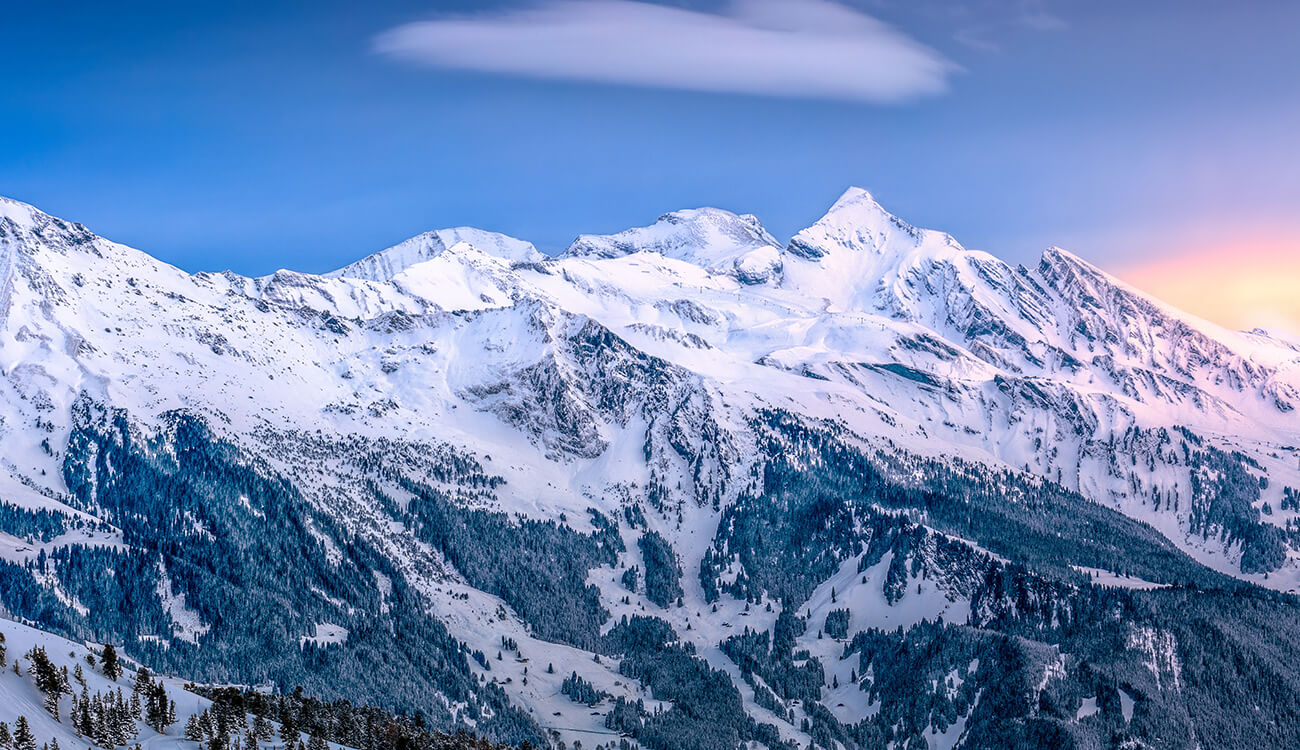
x,y
1241,285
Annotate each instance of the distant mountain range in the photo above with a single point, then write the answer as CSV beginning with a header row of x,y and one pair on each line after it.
x,y
684,486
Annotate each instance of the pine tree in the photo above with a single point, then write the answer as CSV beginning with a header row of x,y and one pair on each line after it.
x,y
262,728
112,669
23,739
119,726
99,726
288,731
316,743
51,681
3,655
5,738
81,719
206,725
160,712
143,682
193,729
79,676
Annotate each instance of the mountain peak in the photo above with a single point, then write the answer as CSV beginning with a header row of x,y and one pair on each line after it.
x,y
712,238
856,221
702,236
385,264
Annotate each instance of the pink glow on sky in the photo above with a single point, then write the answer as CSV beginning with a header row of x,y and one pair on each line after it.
x,y
1241,284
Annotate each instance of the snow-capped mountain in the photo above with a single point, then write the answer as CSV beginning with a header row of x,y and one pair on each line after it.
x,y
462,441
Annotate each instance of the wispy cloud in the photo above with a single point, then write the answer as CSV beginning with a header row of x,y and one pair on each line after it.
x,y
983,25
784,48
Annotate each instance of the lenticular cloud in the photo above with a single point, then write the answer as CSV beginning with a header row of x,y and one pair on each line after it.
x,y
786,48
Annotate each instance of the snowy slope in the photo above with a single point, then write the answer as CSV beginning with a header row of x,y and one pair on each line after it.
x,y
19,696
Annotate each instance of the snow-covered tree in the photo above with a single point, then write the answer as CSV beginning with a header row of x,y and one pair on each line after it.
x,y
262,728
50,680
23,738
112,669
194,729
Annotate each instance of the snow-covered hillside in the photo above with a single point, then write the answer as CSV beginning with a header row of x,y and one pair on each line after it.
x,y
638,375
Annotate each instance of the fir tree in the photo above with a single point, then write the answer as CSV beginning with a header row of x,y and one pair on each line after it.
x,y
262,728
112,669
23,739
288,730
51,681
160,712
5,738
193,729
81,719
143,682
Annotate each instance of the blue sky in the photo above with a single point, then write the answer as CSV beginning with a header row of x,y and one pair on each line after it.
x,y
259,135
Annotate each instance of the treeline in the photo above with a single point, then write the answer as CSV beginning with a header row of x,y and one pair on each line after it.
x,y
338,721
